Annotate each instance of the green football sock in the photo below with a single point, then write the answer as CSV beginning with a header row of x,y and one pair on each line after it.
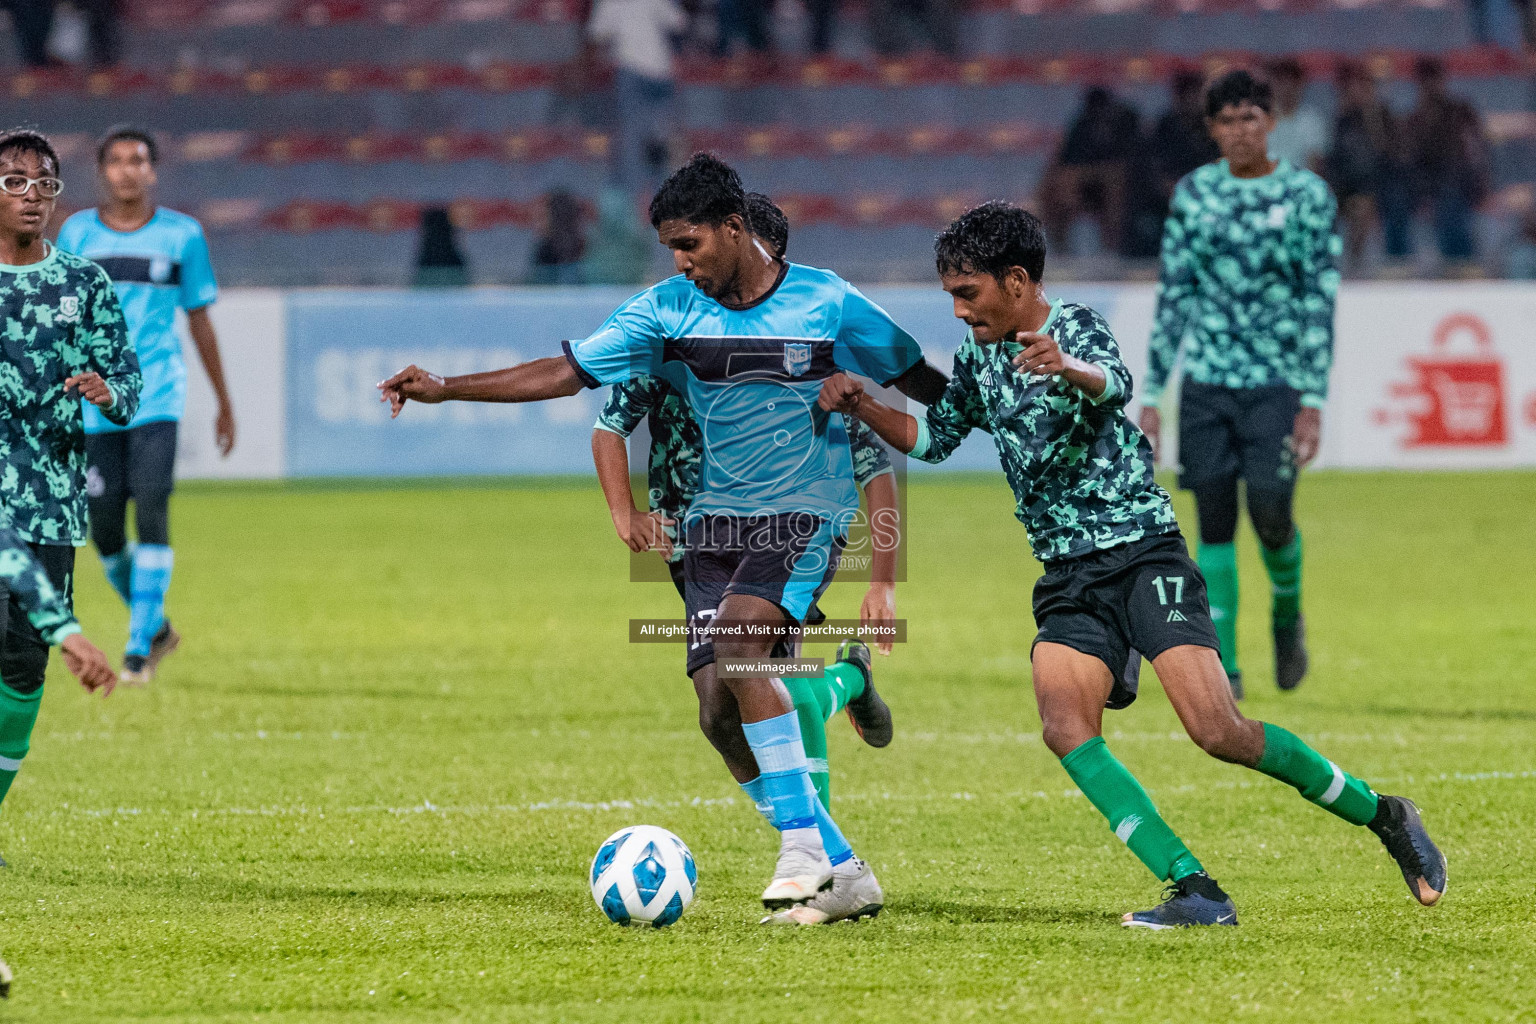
x,y
813,733
1321,781
839,684
18,713
1284,565
1218,564
1120,798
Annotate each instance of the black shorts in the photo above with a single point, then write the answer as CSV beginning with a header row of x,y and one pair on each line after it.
x,y
788,559
139,463
1121,603
23,651
1226,433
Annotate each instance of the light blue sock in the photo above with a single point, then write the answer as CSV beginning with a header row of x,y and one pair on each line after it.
x,y
785,779
754,791
119,568
151,579
832,839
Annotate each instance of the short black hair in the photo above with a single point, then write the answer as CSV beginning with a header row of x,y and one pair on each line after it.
x,y
991,238
1236,88
705,190
126,133
768,222
1286,67
29,140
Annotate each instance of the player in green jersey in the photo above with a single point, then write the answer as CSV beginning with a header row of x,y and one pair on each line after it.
x,y
62,339
1048,380
1248,284
672,479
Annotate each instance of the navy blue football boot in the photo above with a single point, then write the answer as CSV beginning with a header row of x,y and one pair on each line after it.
x,y
1192,901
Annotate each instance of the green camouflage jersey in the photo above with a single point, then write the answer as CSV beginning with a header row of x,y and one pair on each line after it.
x,y
26,581
61,318
1248,282
672,474
1081,472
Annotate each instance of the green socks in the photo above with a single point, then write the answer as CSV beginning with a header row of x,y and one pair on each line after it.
x,y
1218,564
1321,781
18,713
1120,798
1284,566
813,733
815,701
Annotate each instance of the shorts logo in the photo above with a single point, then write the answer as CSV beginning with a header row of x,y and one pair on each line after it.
x,y
797,359
69,310
1176,616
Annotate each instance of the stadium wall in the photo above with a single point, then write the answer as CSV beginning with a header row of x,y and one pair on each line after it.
x,y
1427,376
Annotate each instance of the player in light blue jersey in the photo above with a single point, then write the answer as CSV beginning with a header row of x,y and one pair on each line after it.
x,y
158,262
748,341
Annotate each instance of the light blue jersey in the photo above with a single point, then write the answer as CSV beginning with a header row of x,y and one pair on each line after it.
x,y
156,270
752,376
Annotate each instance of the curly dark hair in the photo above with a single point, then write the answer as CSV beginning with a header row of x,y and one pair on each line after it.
x,y
126,133
29,140
1236,88
768,222
991,238
705,190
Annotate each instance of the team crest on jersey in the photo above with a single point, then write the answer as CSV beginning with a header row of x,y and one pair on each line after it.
x,y
1278,213
797,359
69,310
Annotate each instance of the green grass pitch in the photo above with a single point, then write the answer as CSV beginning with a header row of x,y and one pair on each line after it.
x,y
369,786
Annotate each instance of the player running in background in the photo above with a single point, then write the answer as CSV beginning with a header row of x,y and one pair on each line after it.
x,y
750,339
158,261
672,481
1118,584
1249,278
64,341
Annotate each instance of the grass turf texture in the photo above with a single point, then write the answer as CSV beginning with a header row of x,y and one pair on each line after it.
x,y
370,784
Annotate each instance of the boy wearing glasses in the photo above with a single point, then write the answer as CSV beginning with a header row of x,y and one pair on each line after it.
x,y
62,338
158,262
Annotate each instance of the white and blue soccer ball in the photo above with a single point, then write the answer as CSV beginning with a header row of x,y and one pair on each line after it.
x,y
643,875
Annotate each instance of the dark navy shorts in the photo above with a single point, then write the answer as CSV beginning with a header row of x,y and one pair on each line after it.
x,y
1124,602
788,559
1227,433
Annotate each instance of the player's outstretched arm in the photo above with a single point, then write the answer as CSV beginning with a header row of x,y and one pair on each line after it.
x,y
923,382
842,393
533,381
49,614
641,531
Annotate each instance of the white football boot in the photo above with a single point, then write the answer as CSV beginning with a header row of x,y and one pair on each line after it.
x,y
855,893
803,870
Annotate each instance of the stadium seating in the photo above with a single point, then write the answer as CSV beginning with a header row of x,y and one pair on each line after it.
x,y
307,135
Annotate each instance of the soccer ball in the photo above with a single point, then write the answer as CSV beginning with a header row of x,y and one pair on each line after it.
x,y
643,875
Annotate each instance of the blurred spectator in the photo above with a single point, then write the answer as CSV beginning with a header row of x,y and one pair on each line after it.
x,y
900,26
1364,166
103,22
1520,259
1449,159
1177,145
823,25
33,22
439,262
620,252
1482,33
1090,172
638,35
562,244
1300,134
750,21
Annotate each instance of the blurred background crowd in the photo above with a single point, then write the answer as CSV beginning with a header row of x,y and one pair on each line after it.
x,y
514,141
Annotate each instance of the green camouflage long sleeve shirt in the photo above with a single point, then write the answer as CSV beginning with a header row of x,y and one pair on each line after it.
x,y
61,318
26,581
1081,472
672,472
1248,283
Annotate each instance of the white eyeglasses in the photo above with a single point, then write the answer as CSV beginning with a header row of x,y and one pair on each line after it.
x,y
18,184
